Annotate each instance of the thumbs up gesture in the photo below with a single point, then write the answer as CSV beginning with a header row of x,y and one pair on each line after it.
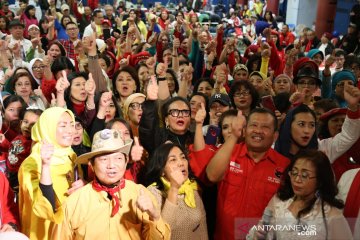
x,y
38,92
145,204
90,86
152,89
201,114
136,150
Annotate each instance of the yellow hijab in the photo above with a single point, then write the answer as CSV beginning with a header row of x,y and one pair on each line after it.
x,y
45,130
187,188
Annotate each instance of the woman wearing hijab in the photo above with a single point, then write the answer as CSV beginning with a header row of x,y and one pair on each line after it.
x,y
47,176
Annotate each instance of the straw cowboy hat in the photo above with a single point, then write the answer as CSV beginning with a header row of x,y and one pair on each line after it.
x,y
104,142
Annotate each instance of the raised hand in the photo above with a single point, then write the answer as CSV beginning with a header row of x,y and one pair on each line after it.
x,y
150,63
46,152
152,89
200,114
238,124
105,99
136,150
352,96
90,86
145,204
176,43
161,69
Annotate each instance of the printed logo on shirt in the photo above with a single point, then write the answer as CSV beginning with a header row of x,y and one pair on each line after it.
x,y
235,167
276,178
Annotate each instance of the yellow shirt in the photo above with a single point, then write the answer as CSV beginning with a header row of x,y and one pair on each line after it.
x,y
87,216
36,213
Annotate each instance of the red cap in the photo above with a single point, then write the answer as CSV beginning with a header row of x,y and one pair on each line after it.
x,y
106,21
136,58
274,32
332,112
301,62
327,35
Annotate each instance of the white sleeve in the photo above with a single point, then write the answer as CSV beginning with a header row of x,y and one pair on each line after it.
x,y
338,145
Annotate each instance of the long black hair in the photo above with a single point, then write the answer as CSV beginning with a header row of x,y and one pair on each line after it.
x,y
133,73
236,86
325,183
155,167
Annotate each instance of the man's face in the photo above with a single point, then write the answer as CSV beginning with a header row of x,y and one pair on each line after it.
x,y
72,31
109,11
87,11
260,133
110,168
17,32
284,29
97,19
340,60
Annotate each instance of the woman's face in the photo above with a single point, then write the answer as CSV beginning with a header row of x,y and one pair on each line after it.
x,y
178,118
267,16
2,23
195,104
335,123
274,38
77,90
226,127
65,130
66,21
45,25
303,187
205,88
143,74
135,110
78,134
123,129
193,18
110,112
282,85
303,128
38,69
32,12
171,82
184,43
241,75
317,59
164,15
257,82
125,84
242,98
54,51
102,64
307,86
176,162
12,111
23,87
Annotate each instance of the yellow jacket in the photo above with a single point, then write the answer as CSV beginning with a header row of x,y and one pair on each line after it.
x,y
87,216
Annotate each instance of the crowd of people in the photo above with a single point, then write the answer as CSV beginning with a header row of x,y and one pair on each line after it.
x,y
146,123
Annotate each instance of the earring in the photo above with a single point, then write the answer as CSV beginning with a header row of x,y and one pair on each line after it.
x,y
317,194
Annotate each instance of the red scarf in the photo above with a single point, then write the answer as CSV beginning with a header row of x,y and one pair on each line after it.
x,y
111,191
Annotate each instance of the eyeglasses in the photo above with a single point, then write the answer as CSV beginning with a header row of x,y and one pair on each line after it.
x,y
136,105
306,83
242,93
71,29
78,126
342,84
304,176
38,68
176,112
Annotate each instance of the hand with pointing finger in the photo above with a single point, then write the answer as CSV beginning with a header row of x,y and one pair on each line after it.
x,y
136,150
145,204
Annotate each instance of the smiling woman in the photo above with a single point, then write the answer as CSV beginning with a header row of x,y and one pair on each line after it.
x,y
42,190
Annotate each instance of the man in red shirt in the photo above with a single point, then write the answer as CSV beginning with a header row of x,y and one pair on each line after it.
x,y
248,174
286,36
